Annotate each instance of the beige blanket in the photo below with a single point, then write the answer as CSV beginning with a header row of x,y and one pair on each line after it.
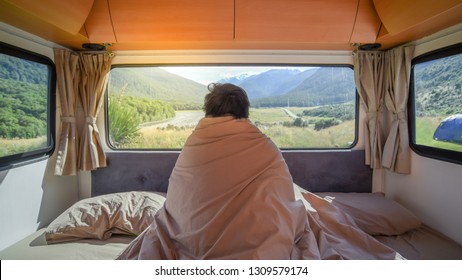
x,y
231,196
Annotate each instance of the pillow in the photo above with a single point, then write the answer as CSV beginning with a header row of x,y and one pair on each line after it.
x,y
374,213
101,216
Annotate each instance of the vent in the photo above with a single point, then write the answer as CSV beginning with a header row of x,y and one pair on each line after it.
x,y
93,47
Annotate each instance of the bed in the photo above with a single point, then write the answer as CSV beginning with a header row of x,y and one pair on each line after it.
x,y
112,221
130,191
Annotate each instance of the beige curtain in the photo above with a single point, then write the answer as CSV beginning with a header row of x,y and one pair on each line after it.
x,y
93,77
67,81
396,152
369,70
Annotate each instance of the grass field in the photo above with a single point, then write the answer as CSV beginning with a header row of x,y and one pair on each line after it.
x,y
269,116
17,146
269,120
340,136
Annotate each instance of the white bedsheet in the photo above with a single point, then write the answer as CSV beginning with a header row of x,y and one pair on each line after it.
x,y
34,247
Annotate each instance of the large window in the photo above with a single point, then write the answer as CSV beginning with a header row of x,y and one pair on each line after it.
x,y
26,105
298,107
436,104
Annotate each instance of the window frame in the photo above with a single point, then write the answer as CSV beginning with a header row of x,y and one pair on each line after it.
x,y
231,64
24,158
423,150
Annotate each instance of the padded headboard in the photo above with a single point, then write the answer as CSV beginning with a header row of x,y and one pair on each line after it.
x,y
330,171
326,171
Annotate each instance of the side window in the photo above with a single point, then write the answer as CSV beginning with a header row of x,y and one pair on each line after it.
x,y
27,84
298,107
436,104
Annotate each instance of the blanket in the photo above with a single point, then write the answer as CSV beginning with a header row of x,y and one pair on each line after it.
x,y
231,196
336,233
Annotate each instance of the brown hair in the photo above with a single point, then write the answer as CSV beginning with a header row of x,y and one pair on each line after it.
x,y
226,99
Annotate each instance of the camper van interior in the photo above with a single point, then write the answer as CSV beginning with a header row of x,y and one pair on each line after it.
x,y
99,99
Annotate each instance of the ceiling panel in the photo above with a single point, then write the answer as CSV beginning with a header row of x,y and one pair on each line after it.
x,y
297,20
17,17
398,15
367,24
231,24
99,23
446,19
172,20
67,15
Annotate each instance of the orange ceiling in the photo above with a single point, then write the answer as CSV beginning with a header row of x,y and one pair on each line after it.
x,y
231,24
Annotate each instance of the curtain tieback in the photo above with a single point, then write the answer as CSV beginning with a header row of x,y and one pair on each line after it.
x,y
91,120
68,119
400,116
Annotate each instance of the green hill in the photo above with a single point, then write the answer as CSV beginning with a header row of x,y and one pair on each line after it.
x,y
23,98
155,83
438,86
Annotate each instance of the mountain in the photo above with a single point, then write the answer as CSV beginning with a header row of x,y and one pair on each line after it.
x,y
270,83
156,83
237,80
294,81
327,85
266,83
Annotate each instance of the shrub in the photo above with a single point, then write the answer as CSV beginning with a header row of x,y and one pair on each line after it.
x,y
325,123
123,123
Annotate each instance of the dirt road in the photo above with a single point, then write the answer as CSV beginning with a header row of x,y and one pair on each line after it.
x,y
182,118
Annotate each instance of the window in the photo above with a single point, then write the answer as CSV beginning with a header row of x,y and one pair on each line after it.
x,y
298,107
436,104
27,84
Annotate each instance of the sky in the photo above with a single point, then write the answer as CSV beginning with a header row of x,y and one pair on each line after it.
x,y
209,74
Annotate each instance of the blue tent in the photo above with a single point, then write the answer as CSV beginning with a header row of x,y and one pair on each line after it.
x,y
450,130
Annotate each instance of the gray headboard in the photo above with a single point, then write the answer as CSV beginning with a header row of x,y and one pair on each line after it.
x,y
327,171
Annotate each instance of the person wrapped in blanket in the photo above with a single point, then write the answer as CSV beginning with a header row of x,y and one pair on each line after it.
x,y
231,195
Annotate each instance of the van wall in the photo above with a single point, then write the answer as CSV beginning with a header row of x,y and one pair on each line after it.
x,y
31,196
432,191
434,188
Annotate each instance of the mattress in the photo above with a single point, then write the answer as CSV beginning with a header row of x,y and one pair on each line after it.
x,y
35,247
423,243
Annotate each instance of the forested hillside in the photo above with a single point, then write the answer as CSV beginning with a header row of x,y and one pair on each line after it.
x,y
23,98
155,83
328,85
438,86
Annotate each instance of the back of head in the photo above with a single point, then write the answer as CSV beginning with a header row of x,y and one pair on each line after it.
x,y
226,99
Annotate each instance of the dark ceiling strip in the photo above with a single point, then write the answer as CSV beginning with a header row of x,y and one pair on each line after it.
x,y
234,21
112,23
354,23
